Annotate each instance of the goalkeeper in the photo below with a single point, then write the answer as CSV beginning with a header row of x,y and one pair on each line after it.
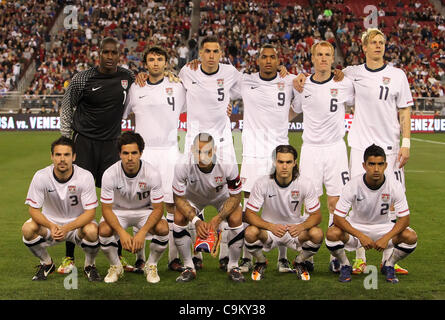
x,y
201,180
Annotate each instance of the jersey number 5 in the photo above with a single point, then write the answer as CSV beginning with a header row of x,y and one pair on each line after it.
x,y
221,94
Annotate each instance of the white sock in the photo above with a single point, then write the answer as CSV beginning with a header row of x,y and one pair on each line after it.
x,y
236,243
256,250
37,247
337,249
360,253
282,252
401,250
157,247
183,243
172,250
192,232
109,248
309,249
91,250
223,246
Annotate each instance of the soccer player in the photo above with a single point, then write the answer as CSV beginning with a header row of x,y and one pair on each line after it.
x,y
368,224
383,103
201,179
91,114
324,156
157,107
267,100
281,195
62,203
132,196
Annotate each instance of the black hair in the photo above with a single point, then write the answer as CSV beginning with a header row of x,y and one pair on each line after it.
x,y
63,141
130,137
108,40
374,151
156,50
209,39
283,148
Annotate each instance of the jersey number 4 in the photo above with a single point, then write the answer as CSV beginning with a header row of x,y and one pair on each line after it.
x,y
171,101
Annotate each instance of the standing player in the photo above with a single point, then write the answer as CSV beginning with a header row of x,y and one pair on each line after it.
x,y
201,180
157,107
282,195
132,196
267,102
91,114
324,157
383,103
368,224
62,204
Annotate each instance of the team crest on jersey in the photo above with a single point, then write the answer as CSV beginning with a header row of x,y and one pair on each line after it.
x,y
72,189
385,197
294,194
243,180
142,185
334,92
124,84
218,179
220,82
169,91
386,80
280,86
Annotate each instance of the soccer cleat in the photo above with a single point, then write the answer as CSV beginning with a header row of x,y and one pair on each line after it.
x,y
151,272
66,266
197,263
398,269
345,274
139,266
176,265
359,266
236,275
125,265
223,263
334,266
92,273
246,265
187,275
390,274
258,271
114,273
301,271
43,271
283,266
309,265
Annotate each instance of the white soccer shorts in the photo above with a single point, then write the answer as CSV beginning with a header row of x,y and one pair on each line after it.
x,y
325,164
253,168
164,161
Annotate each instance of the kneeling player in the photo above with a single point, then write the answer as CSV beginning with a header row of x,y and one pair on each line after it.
x,y
201,180
132,196
281,196
368,223
67,195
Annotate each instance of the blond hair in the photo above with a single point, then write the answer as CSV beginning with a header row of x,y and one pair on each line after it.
x,y
371,33
322,44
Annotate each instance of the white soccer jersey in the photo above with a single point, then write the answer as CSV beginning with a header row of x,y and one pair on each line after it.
x,y
323,107
266,113
157,108
283,204
131,193
207,98
203,189
378,95
371,206
62,202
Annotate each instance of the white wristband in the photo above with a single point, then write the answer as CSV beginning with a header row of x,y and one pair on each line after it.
x,y
195,219
406,143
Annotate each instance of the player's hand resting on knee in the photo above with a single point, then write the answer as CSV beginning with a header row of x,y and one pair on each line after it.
x,y
366,242
126,241
381,244
295,229
138,242
278,230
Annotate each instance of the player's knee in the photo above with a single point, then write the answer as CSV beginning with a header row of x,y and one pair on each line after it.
x,y
333,234
409,236
162,228
29,230
236,218
316,234
251,234
179,219
105,230
91,232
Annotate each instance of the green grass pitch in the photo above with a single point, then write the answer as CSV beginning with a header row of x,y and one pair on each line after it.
x,y
24,153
